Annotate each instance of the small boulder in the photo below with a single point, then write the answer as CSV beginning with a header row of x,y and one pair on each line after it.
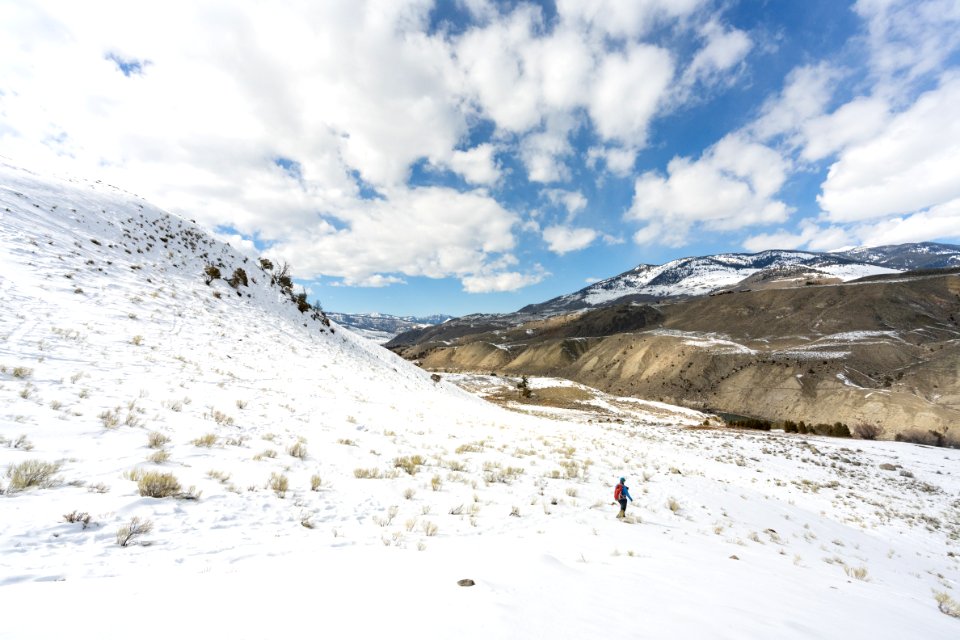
x,y
466,582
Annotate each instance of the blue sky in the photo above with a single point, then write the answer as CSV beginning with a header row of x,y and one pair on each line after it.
x,y
415,157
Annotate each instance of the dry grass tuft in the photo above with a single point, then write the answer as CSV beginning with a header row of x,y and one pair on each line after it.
x,y
279,484
298,450
946,604
32,473
156,440
159,457
207,440
134,529
81,517
154,484
410,464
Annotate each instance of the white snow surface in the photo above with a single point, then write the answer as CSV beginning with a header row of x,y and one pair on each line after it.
x,y
108,333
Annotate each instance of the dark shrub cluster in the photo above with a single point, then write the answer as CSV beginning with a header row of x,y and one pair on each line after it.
x,y
867,431
523,388
281,277
836,430
300,300
238,278
929,437
211,273
751,423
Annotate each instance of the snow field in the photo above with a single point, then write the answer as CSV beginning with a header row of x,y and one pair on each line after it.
x,y
827,543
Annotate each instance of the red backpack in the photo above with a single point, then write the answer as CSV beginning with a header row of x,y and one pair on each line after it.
x,y
617,491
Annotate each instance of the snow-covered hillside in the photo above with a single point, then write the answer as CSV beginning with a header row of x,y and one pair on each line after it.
x,y
329,488
698,276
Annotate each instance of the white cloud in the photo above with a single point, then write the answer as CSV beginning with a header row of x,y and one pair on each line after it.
x,y
503,281
941,221
241,244
563,239
354,94
731,186
542,152
618,160
377,281
572,201
857,121
724,49
806,95
477,165
810,236
909,165
492,61
433,232
909,38
621,19
627,92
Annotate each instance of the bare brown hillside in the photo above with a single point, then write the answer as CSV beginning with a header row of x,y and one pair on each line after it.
x,y
885,351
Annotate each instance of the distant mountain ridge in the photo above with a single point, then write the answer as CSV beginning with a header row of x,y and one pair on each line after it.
x,y
382,326
920,255
702,275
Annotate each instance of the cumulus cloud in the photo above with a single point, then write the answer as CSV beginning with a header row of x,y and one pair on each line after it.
x,y
542,152
856,121
564,239
731,186
618,160
806,95
628,89
503,281
909,38
618,19
572,201
810,236
941,221
300,125
910,164
432,232
477,165
724,50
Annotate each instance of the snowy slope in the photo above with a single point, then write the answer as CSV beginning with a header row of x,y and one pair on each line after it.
x,y
920,255
108,334
702,275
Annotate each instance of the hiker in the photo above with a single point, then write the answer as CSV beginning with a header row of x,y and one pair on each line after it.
x,y
621,494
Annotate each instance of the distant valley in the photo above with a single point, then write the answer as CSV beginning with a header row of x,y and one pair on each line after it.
x,y
381,327
869,335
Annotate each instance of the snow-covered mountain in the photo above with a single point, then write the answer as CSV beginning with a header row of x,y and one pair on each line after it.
x,y
696,276
920,255
320,485
381,327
